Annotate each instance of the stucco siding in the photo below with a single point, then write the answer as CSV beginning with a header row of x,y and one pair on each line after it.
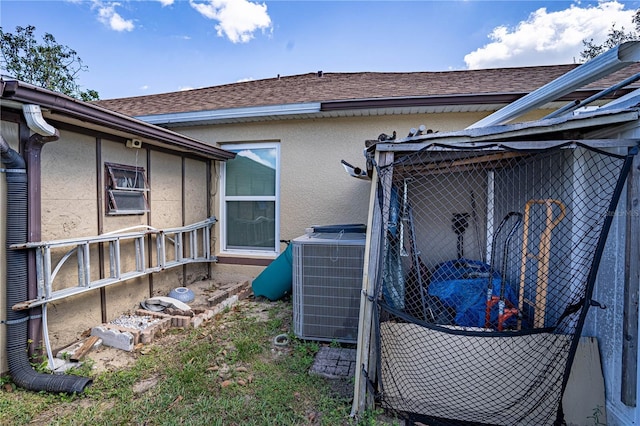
x,y
69,187
165,179
70,208
74,205
118,153
315,189
68,318
196,199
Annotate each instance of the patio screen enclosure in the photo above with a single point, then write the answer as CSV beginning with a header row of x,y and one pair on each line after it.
x,y
487,265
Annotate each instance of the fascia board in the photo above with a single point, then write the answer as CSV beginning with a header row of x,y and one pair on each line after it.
x,y
232,113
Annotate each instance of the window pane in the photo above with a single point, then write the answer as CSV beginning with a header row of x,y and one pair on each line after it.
x,y
128,201
251,225
125,179
252,173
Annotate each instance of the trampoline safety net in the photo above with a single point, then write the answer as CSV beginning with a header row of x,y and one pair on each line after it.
x,y
487,264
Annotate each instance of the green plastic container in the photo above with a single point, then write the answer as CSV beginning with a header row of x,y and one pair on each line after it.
x,y
276,280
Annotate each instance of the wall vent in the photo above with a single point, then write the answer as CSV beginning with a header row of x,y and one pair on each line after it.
x,y
327,282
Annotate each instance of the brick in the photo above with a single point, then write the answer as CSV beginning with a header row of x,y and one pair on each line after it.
x,y
217,297
164,324
242,290
152,314
180,321
147,336
224,304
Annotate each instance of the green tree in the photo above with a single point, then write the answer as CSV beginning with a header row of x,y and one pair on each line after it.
x,y
614,38
47,64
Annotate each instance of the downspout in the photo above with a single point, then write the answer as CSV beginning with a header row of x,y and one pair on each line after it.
x,y
20,368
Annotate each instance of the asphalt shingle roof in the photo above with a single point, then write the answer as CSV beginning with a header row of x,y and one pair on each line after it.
x,y
311,87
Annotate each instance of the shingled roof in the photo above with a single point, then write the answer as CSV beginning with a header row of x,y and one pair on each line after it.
x,y
331,87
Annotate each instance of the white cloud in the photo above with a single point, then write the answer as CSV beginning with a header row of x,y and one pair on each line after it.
x,y
253,156
550,38
166,2
237,19
107,15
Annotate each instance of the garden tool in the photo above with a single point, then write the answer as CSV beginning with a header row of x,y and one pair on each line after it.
x,y
459,224
543,257
506,309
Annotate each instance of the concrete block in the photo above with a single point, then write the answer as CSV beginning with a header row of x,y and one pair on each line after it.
x,y
70,350
61,366
205,314
114,338
135,333
197,321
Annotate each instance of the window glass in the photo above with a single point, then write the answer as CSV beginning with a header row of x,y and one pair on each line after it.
x,y
252,172
251,198
251,224
126,189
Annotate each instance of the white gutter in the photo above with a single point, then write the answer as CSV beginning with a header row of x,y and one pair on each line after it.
x,y
232,113
35,120
593,70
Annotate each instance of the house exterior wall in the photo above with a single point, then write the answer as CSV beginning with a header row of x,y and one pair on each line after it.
x,y
314,188
73,205
608,324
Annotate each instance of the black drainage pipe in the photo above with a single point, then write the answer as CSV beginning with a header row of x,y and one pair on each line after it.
x,y
20,369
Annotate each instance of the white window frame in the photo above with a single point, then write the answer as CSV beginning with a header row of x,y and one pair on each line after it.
x,y
224,198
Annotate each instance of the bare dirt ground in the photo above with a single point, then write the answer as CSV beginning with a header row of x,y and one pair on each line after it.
x,y
106,358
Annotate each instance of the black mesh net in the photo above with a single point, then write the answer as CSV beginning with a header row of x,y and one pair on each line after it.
x,y
485,268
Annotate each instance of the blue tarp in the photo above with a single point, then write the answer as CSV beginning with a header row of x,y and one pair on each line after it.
x,y
462,285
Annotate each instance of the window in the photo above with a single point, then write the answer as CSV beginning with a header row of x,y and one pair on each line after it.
x,y
126,189
250,194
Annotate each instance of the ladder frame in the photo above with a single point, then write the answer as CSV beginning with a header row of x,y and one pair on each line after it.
x,y
198,249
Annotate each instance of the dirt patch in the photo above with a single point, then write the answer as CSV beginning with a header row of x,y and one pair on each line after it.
x,y
106,358
144,385
45,417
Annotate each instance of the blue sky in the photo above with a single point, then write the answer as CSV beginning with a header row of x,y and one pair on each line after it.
x,y
134,47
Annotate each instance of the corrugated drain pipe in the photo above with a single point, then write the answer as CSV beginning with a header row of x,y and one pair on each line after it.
x,y
20,369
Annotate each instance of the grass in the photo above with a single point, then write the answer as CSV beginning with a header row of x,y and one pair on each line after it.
x,y
227,372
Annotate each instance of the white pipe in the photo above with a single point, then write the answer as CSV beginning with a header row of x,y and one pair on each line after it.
x,y
35,120
593,70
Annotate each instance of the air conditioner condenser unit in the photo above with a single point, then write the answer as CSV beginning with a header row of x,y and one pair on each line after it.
x,y
327,283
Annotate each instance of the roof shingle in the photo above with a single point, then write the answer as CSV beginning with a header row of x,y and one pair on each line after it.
x,y
312,87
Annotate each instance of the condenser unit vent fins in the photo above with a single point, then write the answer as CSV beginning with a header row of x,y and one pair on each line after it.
x,y
327,282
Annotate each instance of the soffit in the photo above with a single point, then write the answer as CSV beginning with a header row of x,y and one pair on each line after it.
x,y
63,109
